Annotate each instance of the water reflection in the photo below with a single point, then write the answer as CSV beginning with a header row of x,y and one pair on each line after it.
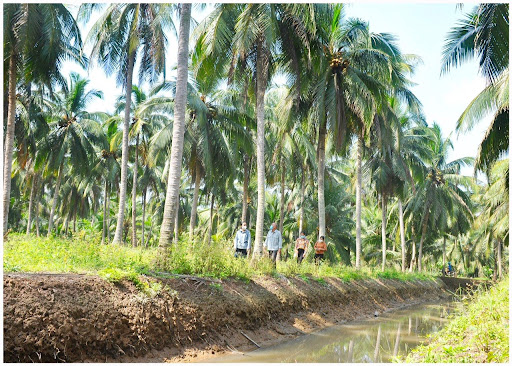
x,y
372,340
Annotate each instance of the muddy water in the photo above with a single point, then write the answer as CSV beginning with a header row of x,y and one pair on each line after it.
x,y
372,340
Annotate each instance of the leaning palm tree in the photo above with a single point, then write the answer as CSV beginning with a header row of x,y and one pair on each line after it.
x,y
121,33
37,39
74,132
484,33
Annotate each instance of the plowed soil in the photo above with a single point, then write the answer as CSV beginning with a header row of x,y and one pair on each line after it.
x,y
77,318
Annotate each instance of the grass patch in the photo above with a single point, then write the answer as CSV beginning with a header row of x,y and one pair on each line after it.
x,y
85,254
479,334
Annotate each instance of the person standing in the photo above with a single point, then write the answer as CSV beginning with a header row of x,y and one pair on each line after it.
x,y
273,242
242,241
320,249
301,247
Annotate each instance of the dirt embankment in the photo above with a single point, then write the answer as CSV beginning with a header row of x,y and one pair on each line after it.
x,y
75,318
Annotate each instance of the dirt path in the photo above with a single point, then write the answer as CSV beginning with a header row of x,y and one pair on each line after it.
x,y
75,318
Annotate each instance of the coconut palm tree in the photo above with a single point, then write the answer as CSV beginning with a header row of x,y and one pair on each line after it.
x,y
74,131
484,33
118,36
148,115
173,183
441,190
37,39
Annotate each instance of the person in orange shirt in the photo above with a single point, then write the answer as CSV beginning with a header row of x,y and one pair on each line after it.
x,y
320,249
301,247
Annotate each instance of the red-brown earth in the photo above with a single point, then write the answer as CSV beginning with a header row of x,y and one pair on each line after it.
x,y
77,318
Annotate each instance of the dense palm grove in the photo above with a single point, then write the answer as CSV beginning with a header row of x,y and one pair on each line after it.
x,y
341,149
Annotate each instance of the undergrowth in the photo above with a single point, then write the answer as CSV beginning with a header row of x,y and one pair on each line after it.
x,y
480,333
81,254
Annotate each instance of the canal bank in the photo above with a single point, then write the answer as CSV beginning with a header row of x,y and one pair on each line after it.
x,y
85,318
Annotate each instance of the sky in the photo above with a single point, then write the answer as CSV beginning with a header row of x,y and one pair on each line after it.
x,y
421,30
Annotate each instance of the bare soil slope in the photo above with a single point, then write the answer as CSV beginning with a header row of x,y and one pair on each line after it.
x,y
73,318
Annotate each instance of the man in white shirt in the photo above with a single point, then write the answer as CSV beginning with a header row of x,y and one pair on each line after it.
x,y
242,241
274,242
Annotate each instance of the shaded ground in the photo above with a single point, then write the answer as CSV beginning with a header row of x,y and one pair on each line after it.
x,y
50,317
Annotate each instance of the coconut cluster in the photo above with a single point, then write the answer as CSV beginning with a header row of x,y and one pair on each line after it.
x,y
338,63
437,177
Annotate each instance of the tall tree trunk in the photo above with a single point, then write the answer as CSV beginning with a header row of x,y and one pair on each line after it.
x,y
118,237
402,231
383,231
423,234
210,226
302,193
322,132
495,262
38,197
358,200
281,207
246,188
108,218
173,182
105,214
177,221
31,202
195,199
500,267
74,223
144,191
261,85
55,198
66,225
9,138
413,257
134,193
444,251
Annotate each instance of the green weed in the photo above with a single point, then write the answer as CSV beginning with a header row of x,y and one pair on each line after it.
x,y
479,334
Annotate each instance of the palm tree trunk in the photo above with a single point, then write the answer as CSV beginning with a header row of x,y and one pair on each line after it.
x,y
118,237
246,188
66,225
74,223
55,197
210,226
108,218
281,207
195,199
9,138
402,231
302,193
177,221
495,264
261,85
142,242
31,202
383,233
134,194
37,212
321,175
105,220
413,257
423,234
500,267
444,251
358,200
173,182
